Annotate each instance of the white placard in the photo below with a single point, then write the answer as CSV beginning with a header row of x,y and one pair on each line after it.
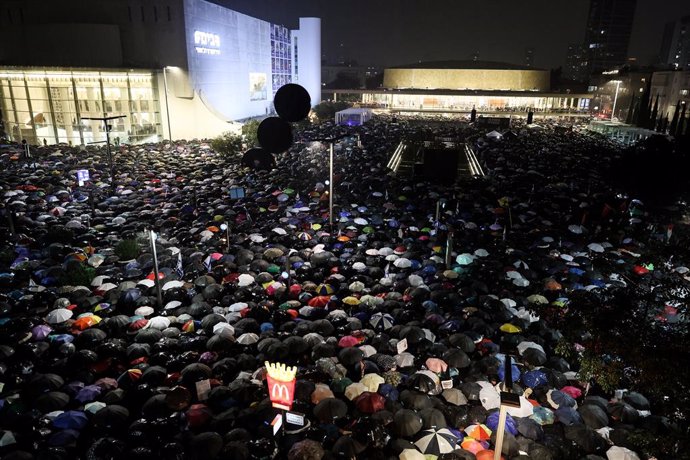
x,y
202,389
446,384
402,345
294,418
277,423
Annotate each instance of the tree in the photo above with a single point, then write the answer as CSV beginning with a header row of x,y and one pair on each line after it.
x,y
227,144
326,110
249,130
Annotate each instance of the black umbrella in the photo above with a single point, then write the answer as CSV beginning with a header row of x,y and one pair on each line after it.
x,y
587,439
51,401
330,409
529,428
111,416
594,416
456,358
407,423
623,412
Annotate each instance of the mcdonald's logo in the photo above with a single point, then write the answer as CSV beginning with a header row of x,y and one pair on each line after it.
x,y
280,392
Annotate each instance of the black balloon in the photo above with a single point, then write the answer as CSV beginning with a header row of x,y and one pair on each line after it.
x,y
292,102
257,158
275,135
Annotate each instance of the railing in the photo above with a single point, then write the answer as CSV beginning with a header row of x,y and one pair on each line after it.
x,y
396,158
475,167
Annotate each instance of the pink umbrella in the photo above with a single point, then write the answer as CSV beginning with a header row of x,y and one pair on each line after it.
x,y
572,391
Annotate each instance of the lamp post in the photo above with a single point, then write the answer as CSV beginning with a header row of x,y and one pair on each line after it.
x,y
331,141
159,295
225,227
615,97
105,121
167,105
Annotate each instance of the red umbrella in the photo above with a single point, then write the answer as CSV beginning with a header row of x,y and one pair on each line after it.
x,y
369,402
198,414
319,301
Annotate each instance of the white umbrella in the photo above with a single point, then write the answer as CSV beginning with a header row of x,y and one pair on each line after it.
x,y
522,282
256,238
98,280
96,260
245,279
147,282
595,247
172,284
577,229
159,322
106,287
488,396
402,263
59,315
172,305
279,231
523,346
144,311
481,252
224,330
238,306
361,221
525,410
248,338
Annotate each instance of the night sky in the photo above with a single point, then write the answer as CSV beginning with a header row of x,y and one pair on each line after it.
x,y
391,32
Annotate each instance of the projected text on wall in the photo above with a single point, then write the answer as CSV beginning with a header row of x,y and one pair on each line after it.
x,y
206,43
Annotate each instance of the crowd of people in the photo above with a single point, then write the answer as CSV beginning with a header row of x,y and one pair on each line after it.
x,y
398,318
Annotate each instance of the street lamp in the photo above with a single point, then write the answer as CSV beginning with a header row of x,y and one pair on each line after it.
x,y
615,97
225,227
167,105
156,280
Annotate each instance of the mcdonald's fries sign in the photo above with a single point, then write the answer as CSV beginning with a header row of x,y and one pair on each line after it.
x,y
281,384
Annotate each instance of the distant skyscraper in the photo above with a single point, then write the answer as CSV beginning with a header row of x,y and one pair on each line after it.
x,y
576,67
529,57
608,33
675,44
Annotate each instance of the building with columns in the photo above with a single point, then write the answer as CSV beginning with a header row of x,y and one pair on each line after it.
x,y
173,68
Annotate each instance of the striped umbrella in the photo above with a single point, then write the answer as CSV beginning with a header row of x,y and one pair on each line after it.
x,y
325,289
480,432
304,236
381,321
437,441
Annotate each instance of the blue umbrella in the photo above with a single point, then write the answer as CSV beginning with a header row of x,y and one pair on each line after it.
x,y
88,393
492,422
71,420
534,378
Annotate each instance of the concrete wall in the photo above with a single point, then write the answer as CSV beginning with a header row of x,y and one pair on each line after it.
x,y
480,79
64,45
190,117
93,33
309,57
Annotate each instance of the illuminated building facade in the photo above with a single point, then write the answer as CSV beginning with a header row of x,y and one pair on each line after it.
x,y
174,69
459,86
